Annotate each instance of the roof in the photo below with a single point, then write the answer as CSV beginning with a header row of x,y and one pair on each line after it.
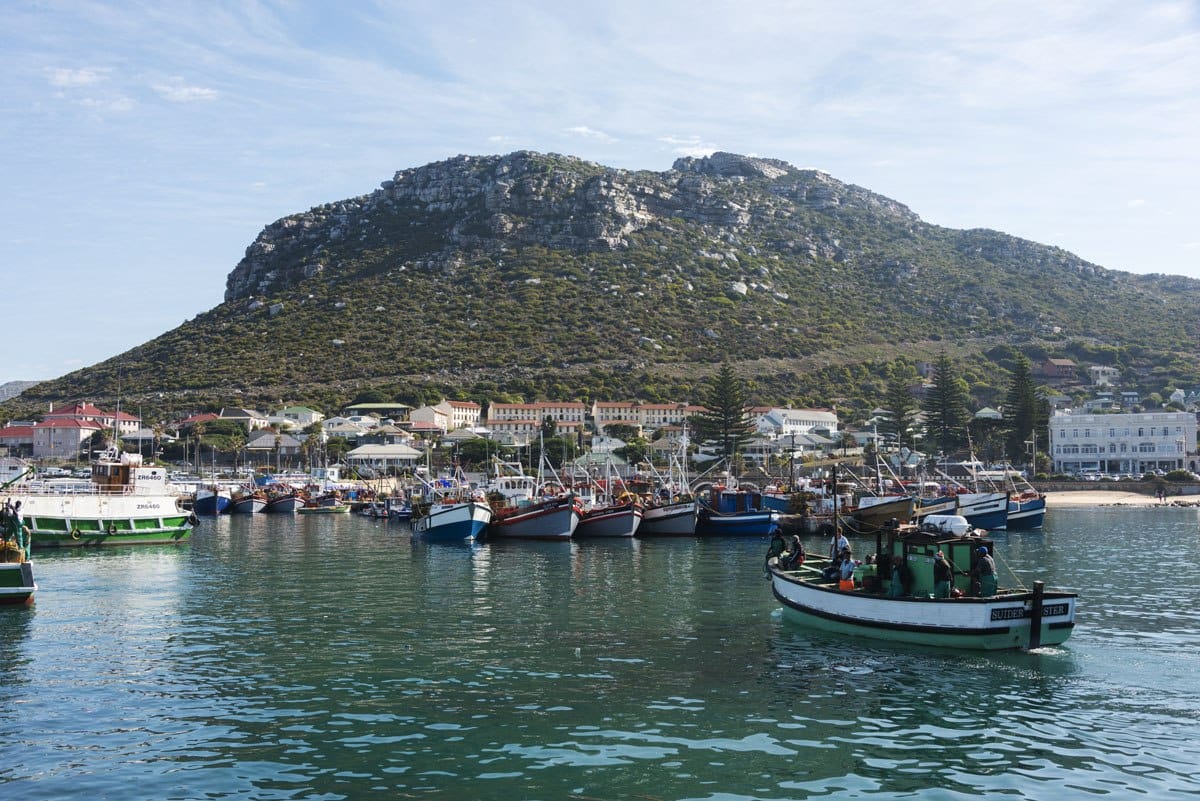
x,y
266,439
1061,362
463,404
16,432
376,406
81,409
369,452
203,417
69,422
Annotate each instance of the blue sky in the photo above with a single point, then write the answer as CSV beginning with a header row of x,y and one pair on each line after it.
x,y
143,146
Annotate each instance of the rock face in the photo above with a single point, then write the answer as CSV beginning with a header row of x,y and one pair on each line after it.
x,y
470,205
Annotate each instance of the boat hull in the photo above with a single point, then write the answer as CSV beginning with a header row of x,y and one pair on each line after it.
x,y
453,523
248,505
285,504
1026,514
871,518
744,524
998,623
620,521
986,510
339,509
209,504
104,519
16,583
556,520
671,520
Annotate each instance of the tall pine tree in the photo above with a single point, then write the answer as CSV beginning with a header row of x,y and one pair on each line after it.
x,y
724,422
1024,412
946,408
902,409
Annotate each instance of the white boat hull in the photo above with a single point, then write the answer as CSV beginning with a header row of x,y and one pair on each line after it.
x,y
1000,622
672,520
619,521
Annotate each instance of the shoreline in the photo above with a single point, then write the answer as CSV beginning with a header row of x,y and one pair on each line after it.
x,y
1115,498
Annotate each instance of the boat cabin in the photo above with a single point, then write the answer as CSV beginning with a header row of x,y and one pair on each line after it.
x,y
917,545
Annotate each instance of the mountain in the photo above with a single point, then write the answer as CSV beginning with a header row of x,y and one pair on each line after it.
x,y
11,389
541,274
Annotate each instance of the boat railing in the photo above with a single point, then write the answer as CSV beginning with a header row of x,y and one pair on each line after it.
x,y
81,489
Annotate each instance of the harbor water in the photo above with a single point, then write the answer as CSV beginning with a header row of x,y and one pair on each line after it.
x,y
331,657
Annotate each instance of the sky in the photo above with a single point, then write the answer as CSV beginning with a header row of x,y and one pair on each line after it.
x,y
143,146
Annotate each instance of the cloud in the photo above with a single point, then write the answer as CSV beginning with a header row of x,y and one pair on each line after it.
x,y
689,146
68,78
178,92
118,104
1136,203
588,133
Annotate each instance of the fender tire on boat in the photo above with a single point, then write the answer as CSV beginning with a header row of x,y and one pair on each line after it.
x,y
74,533
112,528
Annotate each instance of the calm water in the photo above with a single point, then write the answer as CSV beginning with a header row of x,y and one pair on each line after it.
x,y
332,658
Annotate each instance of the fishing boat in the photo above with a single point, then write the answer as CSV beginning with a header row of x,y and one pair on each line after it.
x,y
453,514
282,499
313,508
1026,506
546,518
16,571
610,509
897,603
728,510
125,503
212,499
669,509
612,520
247,501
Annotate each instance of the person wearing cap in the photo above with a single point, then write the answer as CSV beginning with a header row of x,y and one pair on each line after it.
x,y
984,573
943,574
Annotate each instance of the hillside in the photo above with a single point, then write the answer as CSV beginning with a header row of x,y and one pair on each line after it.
x,y
547,275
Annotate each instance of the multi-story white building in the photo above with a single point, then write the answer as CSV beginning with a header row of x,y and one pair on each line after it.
x,y
1123,443
776,422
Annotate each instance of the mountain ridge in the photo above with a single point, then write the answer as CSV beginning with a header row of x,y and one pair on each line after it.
x,y
542,274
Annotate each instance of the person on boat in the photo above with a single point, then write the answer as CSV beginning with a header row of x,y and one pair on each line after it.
x,y
794,556
901,578
984,573
778,549
848,565
833,570
943,575
840,543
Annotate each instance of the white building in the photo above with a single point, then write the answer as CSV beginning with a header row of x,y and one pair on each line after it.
x,y
1123,443
776,422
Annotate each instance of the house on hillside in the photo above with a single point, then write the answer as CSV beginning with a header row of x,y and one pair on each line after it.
x,y
250,419
268,447
63,437
1102,376
295,417
1058,368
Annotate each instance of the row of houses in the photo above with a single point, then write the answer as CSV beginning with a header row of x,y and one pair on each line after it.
x,y
62,432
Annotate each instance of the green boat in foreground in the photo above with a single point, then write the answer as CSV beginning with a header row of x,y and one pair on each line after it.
x,y
123,504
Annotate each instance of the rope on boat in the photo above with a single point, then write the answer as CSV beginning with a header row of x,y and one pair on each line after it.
x,y
1000,562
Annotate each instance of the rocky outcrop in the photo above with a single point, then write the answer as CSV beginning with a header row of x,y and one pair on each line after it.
x,y
466,205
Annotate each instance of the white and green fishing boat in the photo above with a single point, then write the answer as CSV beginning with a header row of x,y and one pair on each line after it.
x,y
897,597
125,503
16,571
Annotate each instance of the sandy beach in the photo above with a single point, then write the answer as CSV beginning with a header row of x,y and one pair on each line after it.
x,y
1115,498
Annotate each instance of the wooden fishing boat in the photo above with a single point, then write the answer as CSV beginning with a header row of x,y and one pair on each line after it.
x,y
885,606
